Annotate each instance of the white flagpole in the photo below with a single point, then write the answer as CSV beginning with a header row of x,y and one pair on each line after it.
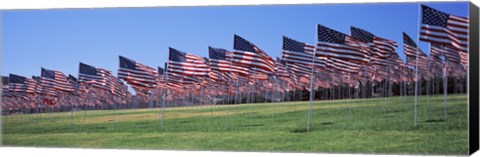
x,y
416,67
349,94
310,105
364,88
201,98
273,95
445,82
114,110
385,87
427,88
71,114
164,94
228,106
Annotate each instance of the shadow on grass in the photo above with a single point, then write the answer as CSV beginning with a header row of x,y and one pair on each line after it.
x,y
301,130
394,111
249,125
435,120
327,123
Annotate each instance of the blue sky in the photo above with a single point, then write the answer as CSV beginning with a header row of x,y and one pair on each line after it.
x,y
60,39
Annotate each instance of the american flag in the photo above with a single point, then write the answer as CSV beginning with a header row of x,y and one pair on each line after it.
x,y
301,54
442,28
342,65
285,74
436,50
5,81
451,54
88,74
409,46
246,54
332,43
381,47
112,83
57,79
7,93
464,58
298,69
217,76
186,66
174,77
44,86
21,84
221,60
410,49
175,86
258,74
137,74
160,71
161,77
74,82
435,63
280,69
79,86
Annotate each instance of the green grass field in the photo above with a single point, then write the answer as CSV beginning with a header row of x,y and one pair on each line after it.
x,y
340,126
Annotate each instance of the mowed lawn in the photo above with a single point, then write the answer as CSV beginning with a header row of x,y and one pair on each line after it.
x,y
379,125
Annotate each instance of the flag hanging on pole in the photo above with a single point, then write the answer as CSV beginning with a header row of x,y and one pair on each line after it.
x,y
88,74
185,65
332,43
57,79
442,28
246,54
410,49
21,84
136,74
382,48
342,52
221,60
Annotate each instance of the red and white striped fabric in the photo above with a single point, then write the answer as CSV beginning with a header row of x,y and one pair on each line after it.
x,y
221,60
137,74
442,28
187,65
246,55
56,80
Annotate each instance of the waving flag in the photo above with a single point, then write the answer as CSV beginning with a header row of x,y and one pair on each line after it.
x,y
112,83
300,54
332,43
136,74
280,69
246,55
160,71
21,84
74,82
161,76
381,47
221,60
89,74
5,91
442,28
410,49
57,79
5,80
451,54
44,86
185,65
258,74
464,58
